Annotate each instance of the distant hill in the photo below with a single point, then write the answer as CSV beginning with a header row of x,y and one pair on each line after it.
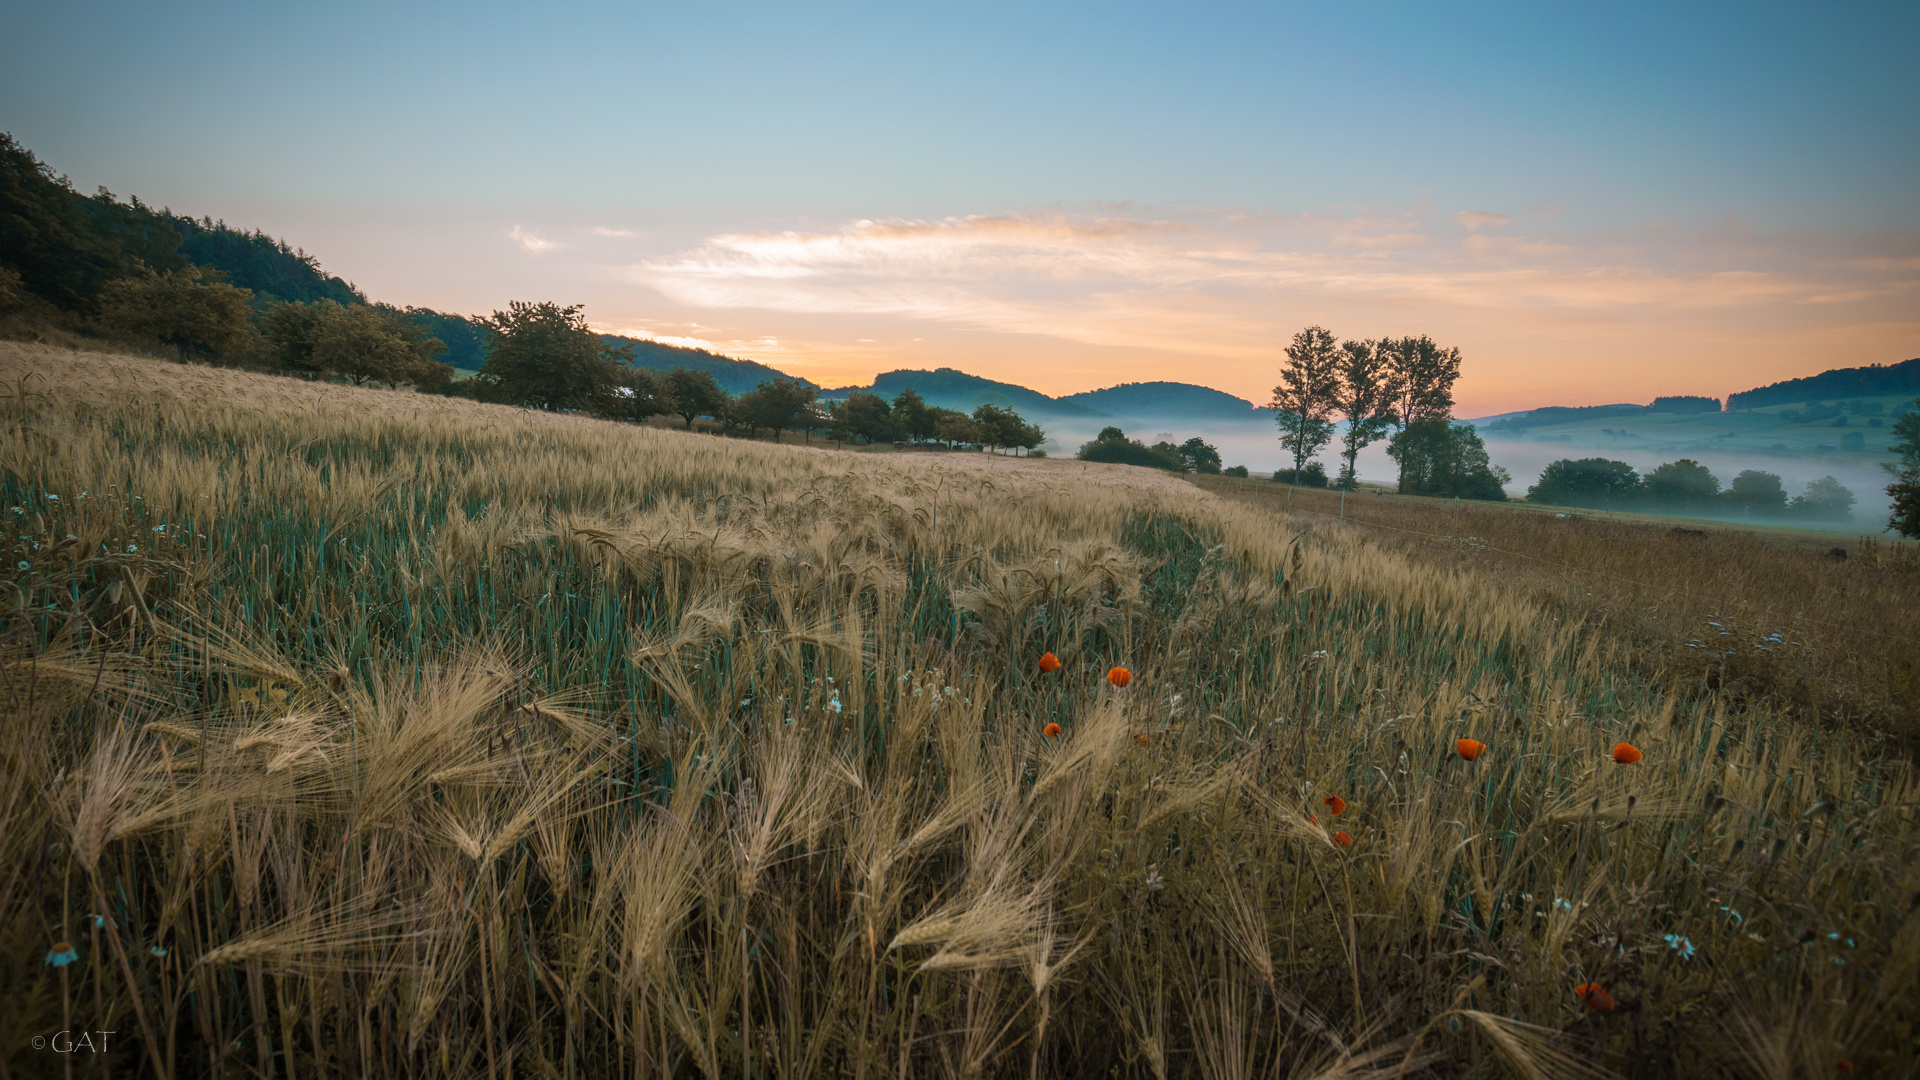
x,y
1518,423
1169,400
1870,381
950,388
734,376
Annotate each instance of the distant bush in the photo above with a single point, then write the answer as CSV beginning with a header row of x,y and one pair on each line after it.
x,y
1200,455
1113,447
1684,404
1036,453
1235,470
1757,492
1314,475
1594,482
1824,500
1681,485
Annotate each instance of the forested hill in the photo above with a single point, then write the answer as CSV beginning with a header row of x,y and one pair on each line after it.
x,y
950,388
256,261
734,376
1170,400
1870,381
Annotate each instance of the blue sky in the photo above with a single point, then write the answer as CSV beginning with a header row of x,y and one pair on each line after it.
x,y
1596,202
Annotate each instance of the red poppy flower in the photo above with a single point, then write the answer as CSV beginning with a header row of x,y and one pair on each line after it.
x,y
1343,839
1141,739
1119,676
1052,731
1595,996
1470,748
1049,662
1843,1064
1335,803
1626,753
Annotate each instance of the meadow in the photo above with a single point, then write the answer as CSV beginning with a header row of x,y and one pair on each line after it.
x,y
358,732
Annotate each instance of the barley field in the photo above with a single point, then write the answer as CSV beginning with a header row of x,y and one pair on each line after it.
x,y
373,734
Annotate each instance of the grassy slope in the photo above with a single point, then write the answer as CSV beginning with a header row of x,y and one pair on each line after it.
x,y
1850,625
400,735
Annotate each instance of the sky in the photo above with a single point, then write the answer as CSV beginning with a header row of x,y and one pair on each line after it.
x,y
1596,203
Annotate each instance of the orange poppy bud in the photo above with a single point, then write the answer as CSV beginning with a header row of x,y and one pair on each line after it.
x,y
1119,676
1052,731
1311,820
1141,739
1595,996
1626,753
1843,1064
1343,839
1049,662
1470,748
1335,803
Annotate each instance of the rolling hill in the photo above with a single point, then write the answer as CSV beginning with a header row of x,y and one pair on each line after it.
x,y
950,388
1874,380
1170,401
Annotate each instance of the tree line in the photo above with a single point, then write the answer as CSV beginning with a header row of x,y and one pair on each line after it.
x,y
542,355
1195,455
1380,385
1687,487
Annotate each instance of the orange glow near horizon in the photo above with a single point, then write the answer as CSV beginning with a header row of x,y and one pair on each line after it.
x,y
1062,303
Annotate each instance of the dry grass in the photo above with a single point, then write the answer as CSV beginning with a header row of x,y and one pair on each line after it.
x,y
390,735
1700,601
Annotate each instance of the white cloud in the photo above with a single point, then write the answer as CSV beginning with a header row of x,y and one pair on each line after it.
x,y
533,243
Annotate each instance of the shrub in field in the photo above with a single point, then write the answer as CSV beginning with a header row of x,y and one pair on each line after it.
x,y
1113,447
1314,475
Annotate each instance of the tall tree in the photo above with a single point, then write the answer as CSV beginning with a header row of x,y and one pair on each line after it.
x,y
912,417
1422,379
1756,491
1681,485
543,355
1201,456
779,404
1305,397
1905,470
1364,397
1439,457
688,393
868,416
1825,499
638,394
955,428
1002,428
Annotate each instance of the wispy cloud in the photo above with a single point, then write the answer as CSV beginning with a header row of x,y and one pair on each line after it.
x,y
1057,274
533,243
